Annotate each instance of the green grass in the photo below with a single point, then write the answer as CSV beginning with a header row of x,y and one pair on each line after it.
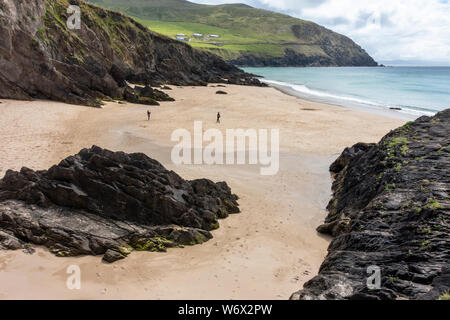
x,y
397,141
171,29
227,41
400,142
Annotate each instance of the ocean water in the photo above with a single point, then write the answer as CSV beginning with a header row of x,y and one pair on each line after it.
x,y
416,90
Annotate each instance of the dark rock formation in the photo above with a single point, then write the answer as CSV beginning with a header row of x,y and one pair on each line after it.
x,y
41,58
99,202
112,256
145,95
390,209
221,92
155,94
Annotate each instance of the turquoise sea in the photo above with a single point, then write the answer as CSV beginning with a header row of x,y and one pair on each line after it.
x,y
416,90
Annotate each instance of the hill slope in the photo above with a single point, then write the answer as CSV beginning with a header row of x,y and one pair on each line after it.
x,y
41,58
247,36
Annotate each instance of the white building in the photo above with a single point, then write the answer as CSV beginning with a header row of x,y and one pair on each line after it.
x,y
214,36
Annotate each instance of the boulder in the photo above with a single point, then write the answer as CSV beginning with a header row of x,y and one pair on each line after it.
x,y
154,94
112,256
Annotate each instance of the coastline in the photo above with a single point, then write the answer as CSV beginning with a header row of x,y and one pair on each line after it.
x,y
391,113
266,252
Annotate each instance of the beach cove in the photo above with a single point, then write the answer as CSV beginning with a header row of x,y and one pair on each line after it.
x,y
266,252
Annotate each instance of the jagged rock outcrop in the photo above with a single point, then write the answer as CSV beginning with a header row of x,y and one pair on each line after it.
x,y
390,209
334,57
255,37
41,58
103,202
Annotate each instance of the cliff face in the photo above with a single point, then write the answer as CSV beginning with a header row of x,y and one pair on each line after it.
x,y
329,49
99,202
390,209
291,58
41,58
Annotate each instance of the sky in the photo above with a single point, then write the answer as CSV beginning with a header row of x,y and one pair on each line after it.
x,y
391,31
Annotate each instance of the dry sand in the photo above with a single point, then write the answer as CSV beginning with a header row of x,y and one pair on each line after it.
x,y
266,252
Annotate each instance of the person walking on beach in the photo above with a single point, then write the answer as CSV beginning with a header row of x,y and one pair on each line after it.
x,y
218,117
149,114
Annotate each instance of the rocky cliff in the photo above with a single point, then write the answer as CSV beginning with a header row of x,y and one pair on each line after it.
x,y
103,202
390,209
324,48
40,57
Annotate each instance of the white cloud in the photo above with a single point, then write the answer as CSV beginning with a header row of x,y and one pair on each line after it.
x,y
387,29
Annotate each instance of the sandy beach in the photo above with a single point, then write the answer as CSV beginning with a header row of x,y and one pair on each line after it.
x,y
266,252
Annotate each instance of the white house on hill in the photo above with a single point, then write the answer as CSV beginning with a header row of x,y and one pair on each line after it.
x,y
183,39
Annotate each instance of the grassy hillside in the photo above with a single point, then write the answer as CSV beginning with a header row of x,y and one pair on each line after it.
x,y
246,35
